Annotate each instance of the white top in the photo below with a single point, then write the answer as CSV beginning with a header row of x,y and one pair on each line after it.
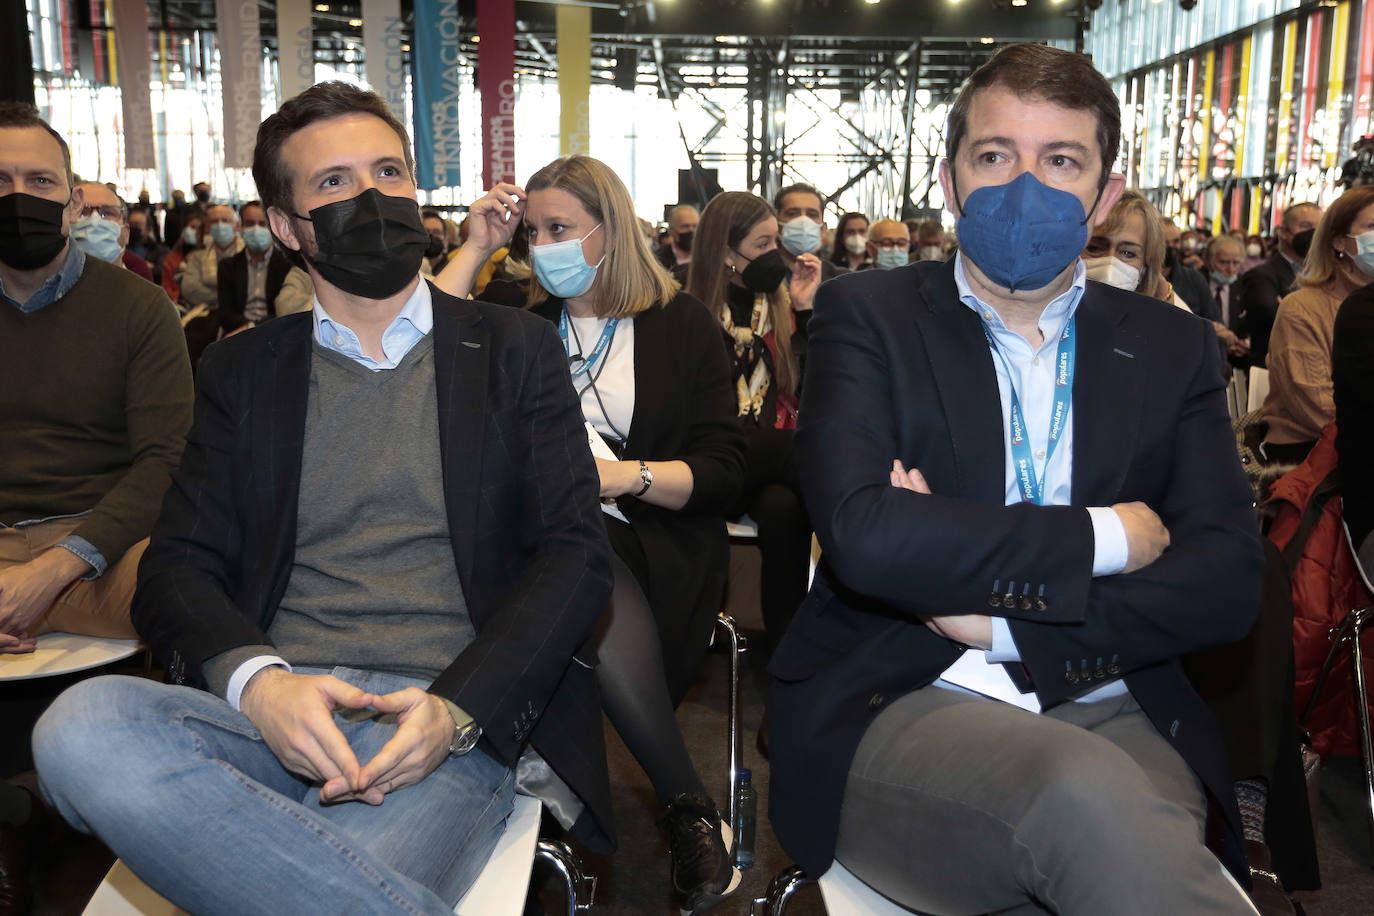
x,y
607,390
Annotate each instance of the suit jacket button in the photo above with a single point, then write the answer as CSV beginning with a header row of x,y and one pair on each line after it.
x,y
1040,604
1113,668
1009,601
994,600
1025,603
876,701
1070,678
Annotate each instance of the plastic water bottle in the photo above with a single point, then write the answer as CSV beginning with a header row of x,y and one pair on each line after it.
x,y
747,811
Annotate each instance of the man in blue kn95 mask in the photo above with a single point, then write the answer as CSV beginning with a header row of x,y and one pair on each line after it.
x,y
1025,490
371,584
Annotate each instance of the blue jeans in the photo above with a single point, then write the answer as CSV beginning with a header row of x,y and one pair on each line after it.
x,y
183,789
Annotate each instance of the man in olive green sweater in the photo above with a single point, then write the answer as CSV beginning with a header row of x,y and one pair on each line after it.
x,y
95,401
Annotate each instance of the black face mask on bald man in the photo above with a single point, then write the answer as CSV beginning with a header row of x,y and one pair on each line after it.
x,y
370,245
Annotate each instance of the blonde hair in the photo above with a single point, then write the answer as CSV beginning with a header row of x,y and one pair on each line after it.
x,y
1321,265
630,279
723,227
1152,282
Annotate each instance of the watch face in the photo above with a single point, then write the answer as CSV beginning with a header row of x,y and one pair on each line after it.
x,y
465,739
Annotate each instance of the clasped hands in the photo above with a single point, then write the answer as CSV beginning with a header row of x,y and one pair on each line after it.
x,y
295,715
1146,539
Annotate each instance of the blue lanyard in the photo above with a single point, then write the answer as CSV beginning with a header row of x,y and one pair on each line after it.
x,y
1032,488
607,334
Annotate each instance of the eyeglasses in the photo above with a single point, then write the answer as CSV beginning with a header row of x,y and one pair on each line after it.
x,y
114,214
892,244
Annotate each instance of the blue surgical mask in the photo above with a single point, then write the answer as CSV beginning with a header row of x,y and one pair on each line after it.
x,y
1364,252
190,236
561,268
222,233
891,257
257,238
801,235
1023,234
98,237
1222,279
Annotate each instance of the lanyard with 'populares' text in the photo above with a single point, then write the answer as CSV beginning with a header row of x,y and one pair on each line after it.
x,y
607,334
1032,487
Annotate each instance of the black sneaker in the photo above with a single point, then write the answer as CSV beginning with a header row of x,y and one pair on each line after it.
x,y
703,872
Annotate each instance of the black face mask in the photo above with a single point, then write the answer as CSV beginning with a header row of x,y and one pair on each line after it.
x,y
135,237
370,245
30,231
684,241
766,272
435,247
203,196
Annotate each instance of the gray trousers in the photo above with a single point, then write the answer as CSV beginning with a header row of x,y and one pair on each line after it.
x,y
957,805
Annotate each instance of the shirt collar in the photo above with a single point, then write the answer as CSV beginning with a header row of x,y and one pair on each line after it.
x,y
1052,319
417,314
56,286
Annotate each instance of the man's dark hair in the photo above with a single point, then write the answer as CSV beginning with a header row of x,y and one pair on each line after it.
x,y
251,203
1063,78
800,187
318,103
22,115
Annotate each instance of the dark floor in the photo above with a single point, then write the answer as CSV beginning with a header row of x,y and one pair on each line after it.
x,y
635,880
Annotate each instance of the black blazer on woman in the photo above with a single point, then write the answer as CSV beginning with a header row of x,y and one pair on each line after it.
x,y
685,410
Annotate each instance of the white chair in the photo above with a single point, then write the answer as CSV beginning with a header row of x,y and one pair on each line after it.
x,y
498,891
65,653
1259,388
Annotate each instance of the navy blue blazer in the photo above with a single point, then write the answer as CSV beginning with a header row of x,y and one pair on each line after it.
x,y
521,491
900,368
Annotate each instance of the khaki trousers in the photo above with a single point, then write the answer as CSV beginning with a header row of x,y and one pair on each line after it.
x,y
91,607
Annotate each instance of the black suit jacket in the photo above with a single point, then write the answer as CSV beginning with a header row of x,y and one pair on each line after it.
x,y
1352,380
900,368
233,286
1255,301
521,492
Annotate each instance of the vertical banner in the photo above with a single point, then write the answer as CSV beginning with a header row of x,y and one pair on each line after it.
x,y
241,78
382,40
574,80
438,82
496,83
135,65
295,48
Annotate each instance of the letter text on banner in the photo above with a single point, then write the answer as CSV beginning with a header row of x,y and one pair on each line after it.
x,y
295,48
240,59
135,63
438,85
496,82
574,80
382,39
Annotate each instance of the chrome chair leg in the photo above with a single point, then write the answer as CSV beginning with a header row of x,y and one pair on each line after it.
x,y
581,887
780,891
736,645
1361,618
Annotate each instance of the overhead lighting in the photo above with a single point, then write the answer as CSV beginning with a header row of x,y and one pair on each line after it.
x,y
321,7
476,38
871,2
356,23
1018,2
986,40
722,39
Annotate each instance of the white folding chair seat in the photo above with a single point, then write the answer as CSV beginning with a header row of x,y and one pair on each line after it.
x,y
1258,388
65,653
498,891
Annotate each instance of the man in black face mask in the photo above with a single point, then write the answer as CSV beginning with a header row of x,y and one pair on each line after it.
x,y
682,227
378,559
978,708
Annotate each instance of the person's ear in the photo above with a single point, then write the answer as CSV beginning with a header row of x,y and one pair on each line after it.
x,y
947,186
283,227
1111,193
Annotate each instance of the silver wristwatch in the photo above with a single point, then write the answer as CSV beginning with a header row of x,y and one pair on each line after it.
x,y
645,475
464,739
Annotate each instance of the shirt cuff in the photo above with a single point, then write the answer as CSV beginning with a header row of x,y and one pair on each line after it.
x,y
244,673
86,551
1110,551
1003,646
460,718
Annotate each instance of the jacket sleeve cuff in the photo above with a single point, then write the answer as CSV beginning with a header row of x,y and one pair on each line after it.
x,y
86,551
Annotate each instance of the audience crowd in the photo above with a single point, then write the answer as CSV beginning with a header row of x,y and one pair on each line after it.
x,y
447,490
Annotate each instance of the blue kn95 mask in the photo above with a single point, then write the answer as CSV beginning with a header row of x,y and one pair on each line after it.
x,y
1022,234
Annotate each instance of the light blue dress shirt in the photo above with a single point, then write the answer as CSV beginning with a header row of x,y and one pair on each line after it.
x,y
1034,370
410,325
